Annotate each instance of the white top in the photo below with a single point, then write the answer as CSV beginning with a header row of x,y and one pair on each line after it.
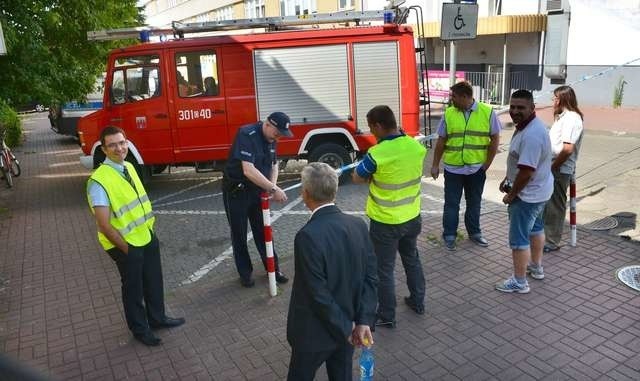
x,y
567,129
531,147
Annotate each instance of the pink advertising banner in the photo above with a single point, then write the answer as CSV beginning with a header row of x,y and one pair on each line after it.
x,y
438,81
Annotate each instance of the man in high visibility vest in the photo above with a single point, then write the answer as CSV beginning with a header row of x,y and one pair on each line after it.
x,y
469,135
125,220
393,169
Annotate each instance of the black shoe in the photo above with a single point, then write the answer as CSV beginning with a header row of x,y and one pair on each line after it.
x,y
247,282
385,323
281,278
148,338
417,308
168,323
450,244
479,240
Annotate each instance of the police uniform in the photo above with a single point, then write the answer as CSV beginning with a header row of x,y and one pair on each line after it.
x,y
242,197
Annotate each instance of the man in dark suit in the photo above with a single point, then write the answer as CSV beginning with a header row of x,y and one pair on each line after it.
x,y
333,299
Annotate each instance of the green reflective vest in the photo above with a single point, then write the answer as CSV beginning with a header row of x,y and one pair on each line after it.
x,y
131,213
467,141
394,191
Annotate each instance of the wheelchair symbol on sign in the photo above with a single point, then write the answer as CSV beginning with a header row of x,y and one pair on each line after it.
x,y
458,21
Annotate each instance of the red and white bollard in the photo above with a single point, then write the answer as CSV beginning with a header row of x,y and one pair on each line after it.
x,y
572,210
268,241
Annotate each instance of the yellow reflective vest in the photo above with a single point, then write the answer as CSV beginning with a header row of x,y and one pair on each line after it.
x,y
131,213
467,141
394,191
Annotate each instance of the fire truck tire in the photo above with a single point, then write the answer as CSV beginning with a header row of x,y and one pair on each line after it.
x,y
333,154
158,168
98,157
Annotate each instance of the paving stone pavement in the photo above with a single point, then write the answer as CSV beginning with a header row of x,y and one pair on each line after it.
x,y
60,309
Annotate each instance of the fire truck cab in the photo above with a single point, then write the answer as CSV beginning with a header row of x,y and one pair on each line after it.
x,y
182,101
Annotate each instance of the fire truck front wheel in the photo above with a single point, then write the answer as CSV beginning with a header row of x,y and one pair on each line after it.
x,y
333,154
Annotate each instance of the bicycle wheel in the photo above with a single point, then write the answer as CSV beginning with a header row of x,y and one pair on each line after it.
x,y
15,166
6,173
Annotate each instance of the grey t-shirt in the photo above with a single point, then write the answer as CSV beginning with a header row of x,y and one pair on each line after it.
x,y
531,147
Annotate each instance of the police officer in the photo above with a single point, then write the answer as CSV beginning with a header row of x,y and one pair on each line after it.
x,y
250,170
393,168
469,135
125,230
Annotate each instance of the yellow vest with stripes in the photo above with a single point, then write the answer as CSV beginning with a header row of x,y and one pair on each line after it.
x,y
394,191
467,141
131,213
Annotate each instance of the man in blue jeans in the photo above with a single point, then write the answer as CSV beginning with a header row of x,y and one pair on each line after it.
x,y
469,135
528,185
393,169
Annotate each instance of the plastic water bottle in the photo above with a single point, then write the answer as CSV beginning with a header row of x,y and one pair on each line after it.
x,y
367,362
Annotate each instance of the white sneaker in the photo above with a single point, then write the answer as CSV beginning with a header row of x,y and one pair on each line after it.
x,y
536,272
512,285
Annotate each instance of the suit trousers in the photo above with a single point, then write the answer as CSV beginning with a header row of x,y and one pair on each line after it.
x,y
141,277
555,211
239,206
387,240
303,365
454,184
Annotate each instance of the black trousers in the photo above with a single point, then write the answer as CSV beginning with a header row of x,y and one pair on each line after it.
x,y
304,365
239,206
141,276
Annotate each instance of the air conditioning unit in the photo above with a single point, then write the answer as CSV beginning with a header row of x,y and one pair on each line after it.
x,y
558,6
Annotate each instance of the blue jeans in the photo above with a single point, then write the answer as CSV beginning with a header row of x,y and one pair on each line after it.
x,y
525,220
387,240
473,186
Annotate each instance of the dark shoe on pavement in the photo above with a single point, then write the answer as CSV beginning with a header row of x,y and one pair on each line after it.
x,y
247,282
479,240
148,339
168,322
381,322
417,308
450,244
281,278
549,248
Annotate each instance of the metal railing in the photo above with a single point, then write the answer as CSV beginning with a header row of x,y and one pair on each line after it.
x,y
488,88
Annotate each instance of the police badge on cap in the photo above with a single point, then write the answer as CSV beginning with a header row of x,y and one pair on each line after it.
x,y
280,121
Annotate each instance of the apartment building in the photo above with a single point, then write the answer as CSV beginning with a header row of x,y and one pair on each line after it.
x,y
520,42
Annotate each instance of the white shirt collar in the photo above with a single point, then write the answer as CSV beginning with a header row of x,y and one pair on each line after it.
x,y
320,207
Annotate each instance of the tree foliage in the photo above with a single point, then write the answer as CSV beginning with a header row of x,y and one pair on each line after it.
x,y
49,58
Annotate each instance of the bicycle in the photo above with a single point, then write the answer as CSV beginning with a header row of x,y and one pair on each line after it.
x,y
9,165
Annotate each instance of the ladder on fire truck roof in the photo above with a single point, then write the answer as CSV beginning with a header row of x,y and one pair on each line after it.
x,y
178,29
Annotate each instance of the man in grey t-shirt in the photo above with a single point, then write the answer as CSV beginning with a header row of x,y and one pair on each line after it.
x,y
528,185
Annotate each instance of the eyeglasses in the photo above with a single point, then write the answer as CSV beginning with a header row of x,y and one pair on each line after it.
x,y
119,144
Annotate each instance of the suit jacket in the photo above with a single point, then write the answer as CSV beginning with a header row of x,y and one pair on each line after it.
x,y
335,281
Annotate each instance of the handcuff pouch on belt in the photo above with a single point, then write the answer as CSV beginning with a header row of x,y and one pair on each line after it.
x,y
233,187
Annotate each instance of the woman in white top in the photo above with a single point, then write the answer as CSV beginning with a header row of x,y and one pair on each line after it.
x,y
566,136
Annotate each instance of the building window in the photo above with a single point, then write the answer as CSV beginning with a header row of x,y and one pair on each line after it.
x,y
254,8
345,4
224,13
297,7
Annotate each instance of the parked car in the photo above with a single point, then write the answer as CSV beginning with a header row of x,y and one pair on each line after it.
x,y
32,106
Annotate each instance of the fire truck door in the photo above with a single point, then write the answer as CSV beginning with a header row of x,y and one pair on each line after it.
x,y
138,107
198,110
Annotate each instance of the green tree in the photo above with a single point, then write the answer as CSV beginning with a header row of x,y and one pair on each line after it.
x,y
49,58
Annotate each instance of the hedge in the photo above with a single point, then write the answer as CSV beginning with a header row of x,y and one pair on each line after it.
x,y
11,122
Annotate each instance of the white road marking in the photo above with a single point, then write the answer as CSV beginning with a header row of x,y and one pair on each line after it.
x,y
202,271
184,190
187,200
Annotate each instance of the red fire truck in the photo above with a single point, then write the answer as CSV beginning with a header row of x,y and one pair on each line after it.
x,y
181,101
